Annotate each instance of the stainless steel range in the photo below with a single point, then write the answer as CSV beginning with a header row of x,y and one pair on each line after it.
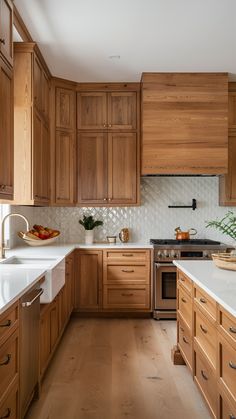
x,y
165,251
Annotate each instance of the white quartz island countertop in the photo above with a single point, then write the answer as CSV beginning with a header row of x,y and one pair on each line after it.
x,y
220,284
15,281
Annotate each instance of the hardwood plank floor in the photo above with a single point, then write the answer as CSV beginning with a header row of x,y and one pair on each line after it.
x,y
115,369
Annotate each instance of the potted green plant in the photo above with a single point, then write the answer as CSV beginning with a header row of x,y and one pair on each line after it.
x,y
227,226
89,224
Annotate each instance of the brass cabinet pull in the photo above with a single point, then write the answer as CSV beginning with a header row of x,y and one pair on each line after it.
x,y
127,270
7,324
185,340
104,125
109,125
183,299
232,329
128,294
2,41
127,254
104,199
7,414
204,375
203,300
6,361
232,365
203,328
109,199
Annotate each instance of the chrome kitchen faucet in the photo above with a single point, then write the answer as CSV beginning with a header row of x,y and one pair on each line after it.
x,y
3,247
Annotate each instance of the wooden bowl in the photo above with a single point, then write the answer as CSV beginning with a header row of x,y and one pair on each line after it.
x,y
224,261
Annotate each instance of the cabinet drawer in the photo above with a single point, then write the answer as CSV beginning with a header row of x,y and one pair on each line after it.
x,y
205,302
227,409
9,406
127,256
126,273
136,297
205,334
206,380
228,366
8,321
228,324
8,361
185,306
184,281
185,343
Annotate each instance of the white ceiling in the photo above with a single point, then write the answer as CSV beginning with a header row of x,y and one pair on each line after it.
x,y
77,37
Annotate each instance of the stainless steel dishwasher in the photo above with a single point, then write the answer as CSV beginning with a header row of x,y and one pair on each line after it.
x,y
29,345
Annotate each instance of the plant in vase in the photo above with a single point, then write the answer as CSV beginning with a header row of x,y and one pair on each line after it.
x,y
227,226
89,224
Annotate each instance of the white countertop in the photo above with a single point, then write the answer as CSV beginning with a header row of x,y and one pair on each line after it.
x,y
220,284
15,280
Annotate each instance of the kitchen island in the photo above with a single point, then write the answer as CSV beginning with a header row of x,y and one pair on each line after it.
x,y
206,332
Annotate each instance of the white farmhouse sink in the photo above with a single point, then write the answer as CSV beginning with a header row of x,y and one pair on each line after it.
x,y
54,277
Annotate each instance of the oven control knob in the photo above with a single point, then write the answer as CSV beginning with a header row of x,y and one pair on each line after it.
x,y
166,254
173,254
206,254
159,254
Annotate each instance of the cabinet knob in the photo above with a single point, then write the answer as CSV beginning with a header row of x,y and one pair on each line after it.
x,y
2,41
109,199
109,125
104,199
104,125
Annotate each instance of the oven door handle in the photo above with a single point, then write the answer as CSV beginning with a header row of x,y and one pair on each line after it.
x,y
160,265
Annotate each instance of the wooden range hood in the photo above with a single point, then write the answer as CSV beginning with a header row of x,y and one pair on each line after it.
x,y
184,123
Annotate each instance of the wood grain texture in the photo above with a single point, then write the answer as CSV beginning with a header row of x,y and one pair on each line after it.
x,y
92,160
227,183
65,167
6,30
65,108
6,132
118,368
184,123
88,280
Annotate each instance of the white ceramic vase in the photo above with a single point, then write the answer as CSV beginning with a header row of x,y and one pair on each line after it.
x,y
89,236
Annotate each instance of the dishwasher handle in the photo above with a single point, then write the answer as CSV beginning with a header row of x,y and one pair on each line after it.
x,y
29,303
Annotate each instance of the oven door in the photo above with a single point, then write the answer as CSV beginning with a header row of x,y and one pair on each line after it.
x,y
165,286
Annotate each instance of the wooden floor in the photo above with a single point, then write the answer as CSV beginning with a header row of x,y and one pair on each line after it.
x,y
118,368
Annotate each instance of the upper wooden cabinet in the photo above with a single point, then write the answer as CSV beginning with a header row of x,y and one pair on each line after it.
x,y
107,168
113,111
6,132
227,183
6,28
63,143
108,144
184,123
31,126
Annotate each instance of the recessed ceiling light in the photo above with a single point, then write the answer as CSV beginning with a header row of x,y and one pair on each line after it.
x,y
114,57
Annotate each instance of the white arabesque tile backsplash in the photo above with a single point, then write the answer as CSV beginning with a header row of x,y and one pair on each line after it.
x,y
153,219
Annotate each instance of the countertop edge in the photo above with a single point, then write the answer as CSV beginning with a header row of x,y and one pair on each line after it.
x,y
206,289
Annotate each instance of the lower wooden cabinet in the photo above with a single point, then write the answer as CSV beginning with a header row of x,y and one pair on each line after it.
x,y
9,404
9,363
206,337
88,281
54,316
112,280
205,377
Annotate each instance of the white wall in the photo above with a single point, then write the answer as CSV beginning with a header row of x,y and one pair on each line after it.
x,y
153,219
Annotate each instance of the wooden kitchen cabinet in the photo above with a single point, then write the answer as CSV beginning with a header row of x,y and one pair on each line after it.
x,y
184,123
31,126
63,149
9,362
227,183
107,168
108,144
6,132
6,30
88,280
110,111
126,280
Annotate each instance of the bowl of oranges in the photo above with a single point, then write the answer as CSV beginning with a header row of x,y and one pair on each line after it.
x,y
39,236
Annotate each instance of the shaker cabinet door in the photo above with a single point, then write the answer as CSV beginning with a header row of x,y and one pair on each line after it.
x,y
92,168
92,110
